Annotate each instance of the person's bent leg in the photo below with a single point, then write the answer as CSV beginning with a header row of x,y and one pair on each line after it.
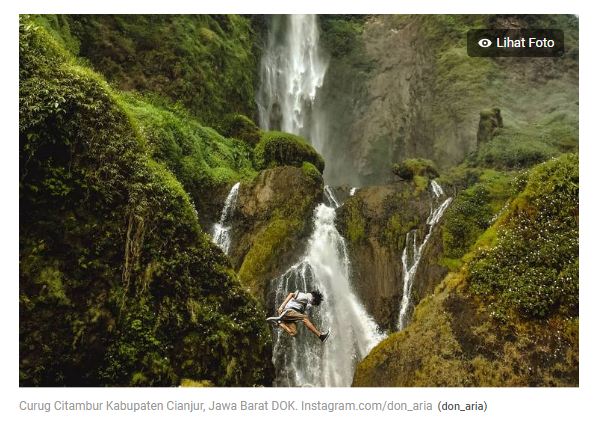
x,y
311,326
290,330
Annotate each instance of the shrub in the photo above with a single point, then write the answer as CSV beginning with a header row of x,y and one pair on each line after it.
x,y
473,211
284,149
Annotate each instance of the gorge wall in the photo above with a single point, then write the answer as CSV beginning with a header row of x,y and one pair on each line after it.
x,y
402,86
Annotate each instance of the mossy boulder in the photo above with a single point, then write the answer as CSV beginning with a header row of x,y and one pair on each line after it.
x,y
241,127
489,124
118,284
272,222
284,149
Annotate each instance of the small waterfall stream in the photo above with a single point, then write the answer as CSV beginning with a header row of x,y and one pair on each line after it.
x,y
221,230
412,253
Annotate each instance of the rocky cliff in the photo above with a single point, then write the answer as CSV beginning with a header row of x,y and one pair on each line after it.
x,y
375,222
272,223
402,86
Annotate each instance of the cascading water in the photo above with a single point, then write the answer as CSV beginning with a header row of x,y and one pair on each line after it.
x,y
221,230
413,252
303,360
292,70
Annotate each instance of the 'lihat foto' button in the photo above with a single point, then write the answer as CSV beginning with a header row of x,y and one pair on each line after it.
x,y
516,43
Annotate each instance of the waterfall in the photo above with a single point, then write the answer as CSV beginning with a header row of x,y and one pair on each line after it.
x,y
413,252
304,360
292,69
221,230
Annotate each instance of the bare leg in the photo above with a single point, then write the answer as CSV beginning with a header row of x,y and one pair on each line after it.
x,y
287,329
311,326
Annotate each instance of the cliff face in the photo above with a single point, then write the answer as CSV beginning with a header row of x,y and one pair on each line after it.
x,y
375,222
404,87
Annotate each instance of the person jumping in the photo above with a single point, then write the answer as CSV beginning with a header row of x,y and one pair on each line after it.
x,y
293,310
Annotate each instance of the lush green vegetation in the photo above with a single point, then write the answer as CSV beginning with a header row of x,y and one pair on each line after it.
x,y
473,211
340,34
207,63
200,158
284,149
533,265
239,126
118,285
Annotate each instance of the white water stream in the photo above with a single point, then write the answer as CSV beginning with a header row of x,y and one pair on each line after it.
x,y
222,229
292,70
412,253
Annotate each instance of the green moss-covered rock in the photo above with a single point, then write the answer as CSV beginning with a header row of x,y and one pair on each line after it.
x,y
118,284
509,316
272,223
284,149
489,124
312,172
241,127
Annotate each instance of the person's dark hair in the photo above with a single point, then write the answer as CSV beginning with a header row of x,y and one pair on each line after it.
x,y
317,297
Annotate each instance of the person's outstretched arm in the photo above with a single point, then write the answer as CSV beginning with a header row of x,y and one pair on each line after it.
x,y
283,305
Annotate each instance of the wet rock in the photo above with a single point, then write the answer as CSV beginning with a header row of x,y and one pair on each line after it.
x,y
375,222
271,224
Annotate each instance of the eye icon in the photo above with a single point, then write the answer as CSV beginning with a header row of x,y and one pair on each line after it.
x,y
484,42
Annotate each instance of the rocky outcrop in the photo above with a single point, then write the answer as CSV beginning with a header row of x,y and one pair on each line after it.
x,y
453,341
271,224
375,222
489,124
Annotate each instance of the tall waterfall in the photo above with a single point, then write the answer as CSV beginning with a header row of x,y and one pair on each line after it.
x,y
413,252
292,69
304,360
221,230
